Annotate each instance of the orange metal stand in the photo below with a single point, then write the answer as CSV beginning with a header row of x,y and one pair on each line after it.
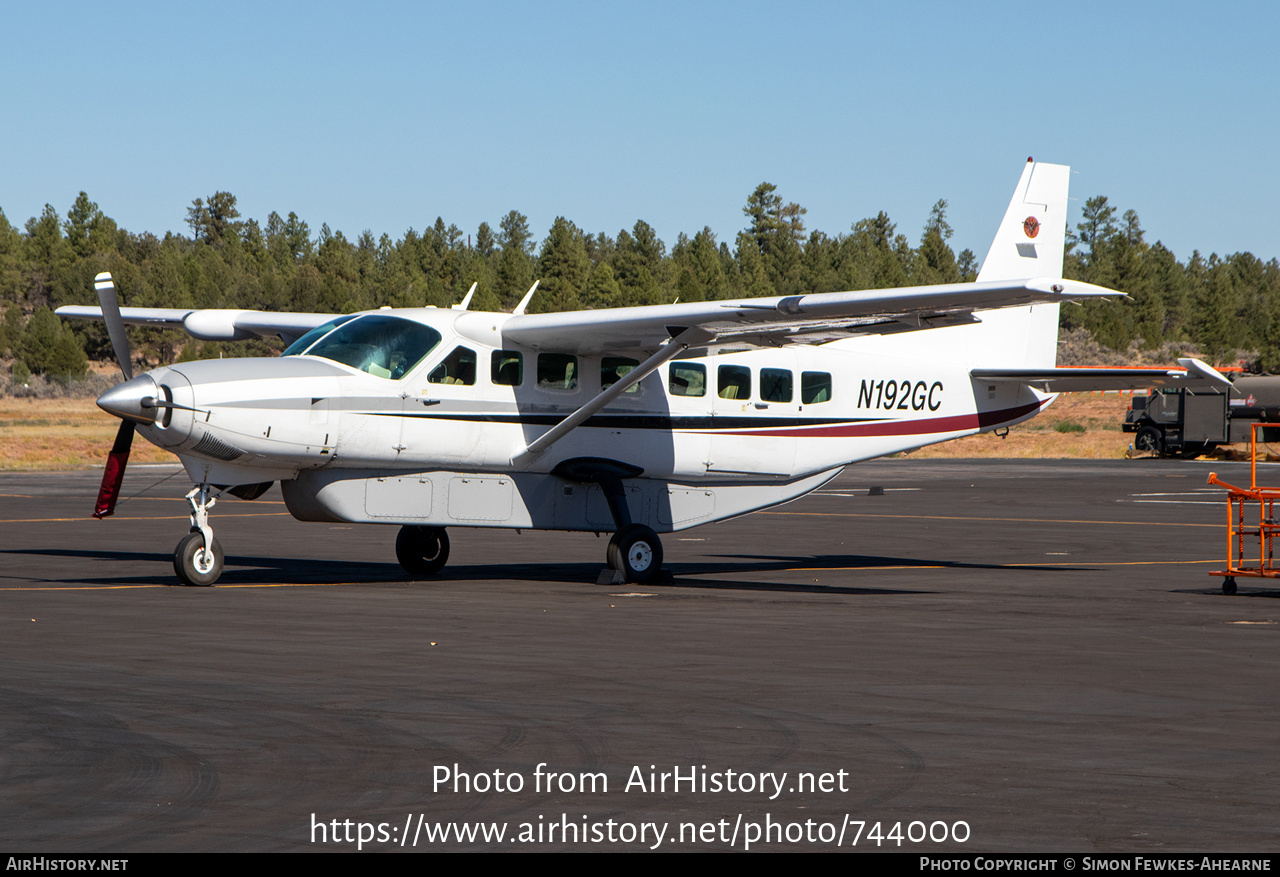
x,y
1239,532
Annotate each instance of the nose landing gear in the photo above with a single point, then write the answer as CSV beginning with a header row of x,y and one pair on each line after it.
x,y
197,559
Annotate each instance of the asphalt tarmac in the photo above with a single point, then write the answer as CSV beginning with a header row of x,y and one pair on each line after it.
x,y
991,656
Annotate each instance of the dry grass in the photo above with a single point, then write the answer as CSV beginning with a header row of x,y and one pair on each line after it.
x,y
62,434
1052,434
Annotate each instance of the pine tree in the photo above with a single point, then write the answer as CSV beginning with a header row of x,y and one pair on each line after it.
x,y
563,268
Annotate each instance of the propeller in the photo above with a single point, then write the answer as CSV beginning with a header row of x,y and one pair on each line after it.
x,y
113,476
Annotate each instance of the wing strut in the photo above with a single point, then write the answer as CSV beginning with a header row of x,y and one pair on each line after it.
x,y
691,337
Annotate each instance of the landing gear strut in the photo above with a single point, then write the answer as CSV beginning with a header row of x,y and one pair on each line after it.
x,y
635,552
198,558
634,549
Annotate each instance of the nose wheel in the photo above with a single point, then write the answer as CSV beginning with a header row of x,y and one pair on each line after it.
x,y
196,565
197,560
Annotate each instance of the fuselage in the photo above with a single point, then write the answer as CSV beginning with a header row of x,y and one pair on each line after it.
x,y
392,393
473,402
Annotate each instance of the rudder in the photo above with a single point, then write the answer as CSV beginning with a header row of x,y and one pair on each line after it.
x,y
1030,243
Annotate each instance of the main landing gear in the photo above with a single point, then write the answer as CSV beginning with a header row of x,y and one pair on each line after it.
x,y
198,558
422,551
636,552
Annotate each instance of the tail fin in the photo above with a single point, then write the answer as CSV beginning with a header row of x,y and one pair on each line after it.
x,y
1030,240
1029,243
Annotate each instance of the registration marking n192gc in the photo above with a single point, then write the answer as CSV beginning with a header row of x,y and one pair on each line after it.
x,y
902,395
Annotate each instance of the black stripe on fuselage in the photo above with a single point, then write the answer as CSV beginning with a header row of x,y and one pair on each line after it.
x,y
637,421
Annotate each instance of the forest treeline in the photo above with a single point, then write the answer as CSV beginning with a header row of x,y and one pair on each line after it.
x,y
1224,306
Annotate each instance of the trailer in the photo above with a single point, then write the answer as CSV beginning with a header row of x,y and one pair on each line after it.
x,y
1241,529
1175,422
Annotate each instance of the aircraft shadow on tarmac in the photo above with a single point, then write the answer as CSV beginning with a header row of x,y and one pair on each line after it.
x,y
302,571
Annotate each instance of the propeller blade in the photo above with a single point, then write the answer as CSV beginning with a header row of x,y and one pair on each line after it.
x,y
110,305
114,474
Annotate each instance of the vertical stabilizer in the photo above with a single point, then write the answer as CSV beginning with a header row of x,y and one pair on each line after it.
x,y
1031,235
1029,243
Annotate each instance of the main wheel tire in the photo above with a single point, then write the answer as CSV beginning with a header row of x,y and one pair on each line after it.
x,y
196,567
1149,439
638,553
611,553
422,551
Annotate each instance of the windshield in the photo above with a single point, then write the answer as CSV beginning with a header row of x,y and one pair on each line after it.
x,y
385,347
313,336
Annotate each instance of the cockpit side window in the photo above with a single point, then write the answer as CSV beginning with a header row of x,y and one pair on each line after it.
x,y
315,335
507,367
459,367
383,346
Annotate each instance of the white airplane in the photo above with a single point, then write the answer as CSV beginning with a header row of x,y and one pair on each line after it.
x,y
637,421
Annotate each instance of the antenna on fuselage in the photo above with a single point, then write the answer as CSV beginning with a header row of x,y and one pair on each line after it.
x,y
524,302
466,301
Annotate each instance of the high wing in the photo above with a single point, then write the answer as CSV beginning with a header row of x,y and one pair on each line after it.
x,y
803,319
1193,375
211,324
761,322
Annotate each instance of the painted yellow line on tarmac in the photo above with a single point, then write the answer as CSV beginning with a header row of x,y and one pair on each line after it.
x,y
976,564
315,584
156,518
87,587
840,568
1008,520
183,587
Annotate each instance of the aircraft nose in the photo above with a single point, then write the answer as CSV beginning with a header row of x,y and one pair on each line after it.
x,y
131,400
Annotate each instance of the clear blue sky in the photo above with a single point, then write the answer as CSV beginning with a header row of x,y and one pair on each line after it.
x,y
387,115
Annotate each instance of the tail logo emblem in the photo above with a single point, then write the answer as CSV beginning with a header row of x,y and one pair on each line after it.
x,y
1031,226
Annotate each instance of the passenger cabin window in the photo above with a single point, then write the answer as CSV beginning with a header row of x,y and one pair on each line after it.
x,y
775,385
557,371
459,367
687,379
506,367
385,347
815,387
614,369
734,382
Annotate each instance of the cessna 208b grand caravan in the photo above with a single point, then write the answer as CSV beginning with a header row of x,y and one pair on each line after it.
x,y
637,421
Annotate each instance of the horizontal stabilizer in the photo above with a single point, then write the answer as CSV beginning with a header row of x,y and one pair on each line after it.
x,y
1194,375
